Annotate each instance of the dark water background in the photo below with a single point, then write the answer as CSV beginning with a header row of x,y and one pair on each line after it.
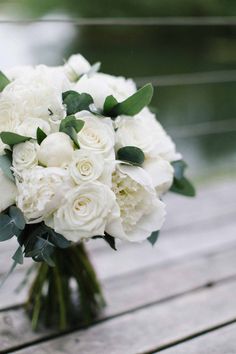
x,y
193,69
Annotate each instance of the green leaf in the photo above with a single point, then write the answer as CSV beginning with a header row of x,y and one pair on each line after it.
x,y
71,121
109,104
12,138
153,238
18,256
133,104
183,187
4,81
57,239
131,154
40,136
17,217
76,102
6,228
179,169
41,251
110,240
5,165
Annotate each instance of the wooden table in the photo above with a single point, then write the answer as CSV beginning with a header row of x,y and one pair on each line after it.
x,y
176,298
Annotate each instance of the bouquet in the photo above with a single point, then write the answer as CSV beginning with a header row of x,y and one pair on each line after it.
x,y
81,157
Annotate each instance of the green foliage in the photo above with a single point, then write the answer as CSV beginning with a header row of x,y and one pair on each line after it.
x,y
11,223
41,242
11,139
131,154
153,238
181,184
3,81
76,102
5,166
109,239
72,126
40,136
183,187
132,105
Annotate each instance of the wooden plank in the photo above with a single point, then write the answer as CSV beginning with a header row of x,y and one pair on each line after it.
x,y
134,291
135,258
219,341
151,328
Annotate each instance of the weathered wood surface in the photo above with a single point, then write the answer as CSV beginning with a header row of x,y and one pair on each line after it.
x,y
157,297
220,341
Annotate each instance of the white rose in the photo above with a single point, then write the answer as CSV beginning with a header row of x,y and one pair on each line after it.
x,y
85,212
56,150
141,212
100,85
76,66
8,192
25,155
29,127
161,173
37,94
40,191
145,132
87,166
97,135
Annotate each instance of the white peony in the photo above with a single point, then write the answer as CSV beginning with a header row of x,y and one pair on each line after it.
x,y
87,166
86,211
40,191
18,71
97,134
76,66
37,94
8,123
100,85
145,132
25,155
161,173
56,150
8,192
29,127
141,212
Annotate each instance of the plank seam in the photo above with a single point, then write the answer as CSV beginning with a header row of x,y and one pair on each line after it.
x,y
46,338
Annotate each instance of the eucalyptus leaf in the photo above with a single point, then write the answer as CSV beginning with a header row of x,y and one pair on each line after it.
x,y
6,227
131,154
17,217
183,187
153,238
58,240
18,256
76,102
11,139
40,135
133,104
4,81
5,166
71,121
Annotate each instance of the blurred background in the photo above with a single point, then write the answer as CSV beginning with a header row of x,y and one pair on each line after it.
x,y
186,48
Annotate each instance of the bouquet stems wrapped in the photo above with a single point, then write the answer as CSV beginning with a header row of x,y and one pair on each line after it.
x,y
68,293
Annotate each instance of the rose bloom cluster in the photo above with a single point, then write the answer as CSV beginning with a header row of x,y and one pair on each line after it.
x,y
83,191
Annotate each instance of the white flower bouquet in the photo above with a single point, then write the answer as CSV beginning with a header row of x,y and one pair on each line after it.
x,y
81,157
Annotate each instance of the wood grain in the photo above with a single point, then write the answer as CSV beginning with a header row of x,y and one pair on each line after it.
x,y
151,328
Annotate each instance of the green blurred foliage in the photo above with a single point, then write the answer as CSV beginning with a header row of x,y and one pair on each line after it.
x,y
131,8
